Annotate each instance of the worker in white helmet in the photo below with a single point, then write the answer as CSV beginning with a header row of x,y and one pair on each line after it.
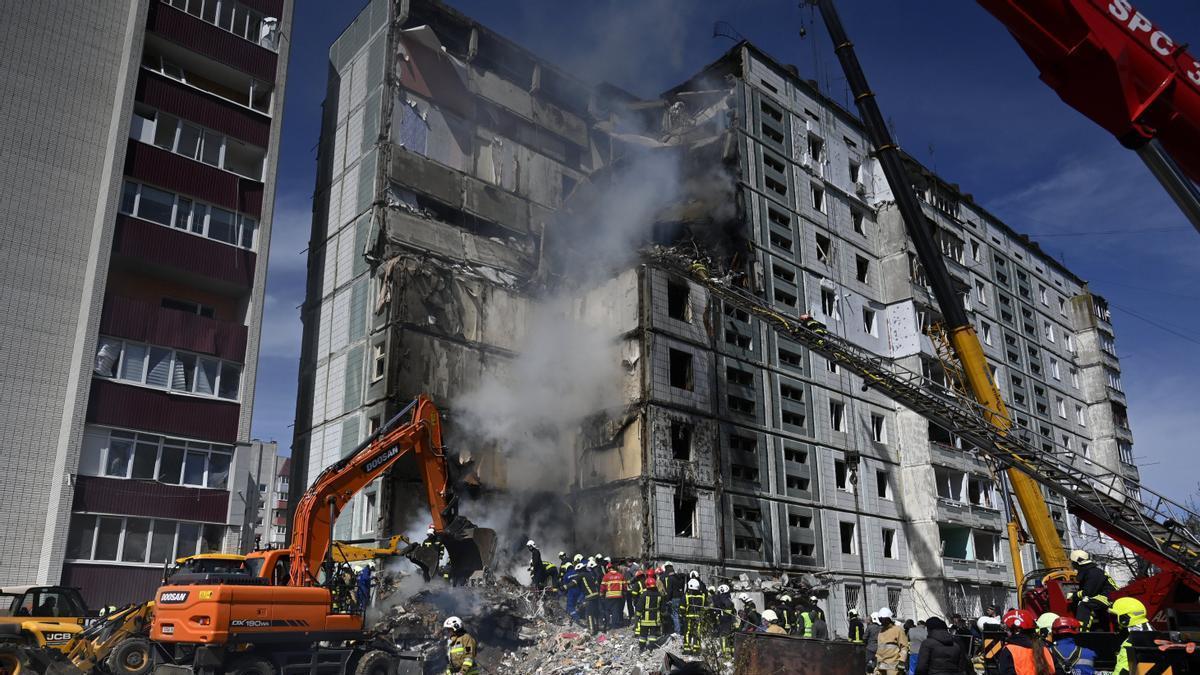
x,y
750,619
771,619
460,648
726,616
693,609
891,655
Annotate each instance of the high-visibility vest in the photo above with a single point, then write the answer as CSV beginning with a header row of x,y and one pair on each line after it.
x,y
693,605
648,609
1023,657
856,632
807,618
461,653
586,584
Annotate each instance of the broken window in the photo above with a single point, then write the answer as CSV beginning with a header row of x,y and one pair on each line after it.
x,y
739,377
849,542
955,541
824,248
889,543
974,251
681,440
980,292
952,246
868,316
780,241
743,472
785,298
783,273
793,418
790,358
883,485
685,516
857,222
778,217
378,361
770,110
855,172
1080,416
750,514
841,476
797,483
795,455
939,435
986,330
979,492
774,163
189,307
1125,452
771,134
829,304
862,269
816,150
800,521
739,404
680,369
775,186
878,428
791,393
837,416
818,198
736,339
678,301
748,544
831,366
949,483
987,546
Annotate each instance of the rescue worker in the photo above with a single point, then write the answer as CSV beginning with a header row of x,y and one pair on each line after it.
x,y
1131,619
786,613
695,574
726,617
857,632
574,593
1044,624
649,615
612,586
941,653
1072,658
820,625
542,573
589,600
693,608
1024,653
363,594
804,622
872,641
633,589
1091,599
431,541
750,618
460,648
671,586
772,621
891,656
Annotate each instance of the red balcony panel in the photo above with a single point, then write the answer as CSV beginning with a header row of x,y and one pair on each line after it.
x,y
172,249
117,585
133,407
149,499
178,99
216,43
147,322
267,7
189,177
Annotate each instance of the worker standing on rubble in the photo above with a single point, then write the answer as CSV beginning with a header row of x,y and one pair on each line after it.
x,y
649,614
891,655
726,617
1072,658
363,595
1091,600
431,542
612,585
749,616
786,613
460,648
1132,621
589,595
857,632
694,607
820,625
542,573
1024,653
671,587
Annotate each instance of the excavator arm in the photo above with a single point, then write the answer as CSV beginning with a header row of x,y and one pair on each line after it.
x,y
421,435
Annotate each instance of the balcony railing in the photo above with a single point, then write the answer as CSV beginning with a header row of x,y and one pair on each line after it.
x,y
172,250
148,322
211,41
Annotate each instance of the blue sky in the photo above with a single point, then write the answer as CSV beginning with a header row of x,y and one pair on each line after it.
x,y
961,97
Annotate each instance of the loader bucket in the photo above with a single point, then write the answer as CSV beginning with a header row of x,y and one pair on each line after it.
x,y
470,550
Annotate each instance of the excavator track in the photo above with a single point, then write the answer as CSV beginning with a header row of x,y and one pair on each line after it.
x,y
1148,520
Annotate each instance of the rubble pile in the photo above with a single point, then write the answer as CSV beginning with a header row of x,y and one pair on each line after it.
x,y
519,630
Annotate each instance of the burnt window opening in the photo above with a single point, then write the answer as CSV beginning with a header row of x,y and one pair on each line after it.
x,y
739,377
794,419
862,269
749,514
778,217
742,443
790,358
679,301
795,455
883,485
799,521
801,550
791,393
681,440
783,273
780,241
774,163
797,483
785,298
841,476
680,367
733,312
770,110
857,221
849,543
772,135
685,516
740,405
889,543
824,248
743,472
750,544
737,339
775,186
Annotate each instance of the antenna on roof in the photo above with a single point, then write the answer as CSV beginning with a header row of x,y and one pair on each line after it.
x,y
726,30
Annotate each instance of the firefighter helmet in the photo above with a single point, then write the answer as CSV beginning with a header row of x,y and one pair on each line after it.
x,y
884,613
452,623
1065,625
785,598
1046,621
693,584
591,563
723,588
1080,557
1019,619
1130,612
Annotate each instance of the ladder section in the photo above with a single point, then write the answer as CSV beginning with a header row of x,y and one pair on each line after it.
x,y
1147,518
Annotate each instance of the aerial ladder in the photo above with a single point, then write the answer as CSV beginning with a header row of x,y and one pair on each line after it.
x,y
286,615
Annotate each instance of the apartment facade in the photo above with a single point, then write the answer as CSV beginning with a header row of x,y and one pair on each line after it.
x,y
734,450
135,330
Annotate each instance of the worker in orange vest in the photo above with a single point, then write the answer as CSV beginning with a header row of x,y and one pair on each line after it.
x,y
612,587
1024,653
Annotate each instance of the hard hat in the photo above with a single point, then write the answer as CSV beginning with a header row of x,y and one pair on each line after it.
x,y
431,530
1019,619
769,616
578,558
1046,621
1130,612
591,564
668,564
530,544
694,574
1066,625
453,623
693,584
599,556
562,554
1080,557
723,588
852,613
812,598
607,559
744,597
785,598
874,616
885,613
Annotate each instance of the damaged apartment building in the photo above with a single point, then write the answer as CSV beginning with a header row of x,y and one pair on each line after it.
x,y
454,169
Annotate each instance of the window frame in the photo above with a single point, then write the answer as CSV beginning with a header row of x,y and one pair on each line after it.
x,y
174,361
146,561
242,222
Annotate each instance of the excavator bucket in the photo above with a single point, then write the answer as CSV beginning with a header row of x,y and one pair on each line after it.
x,y
470,551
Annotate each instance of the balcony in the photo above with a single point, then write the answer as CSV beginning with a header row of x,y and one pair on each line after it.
x,y
192,178
163,93
215,43
225,268
151,499
978,571
147,322
134,407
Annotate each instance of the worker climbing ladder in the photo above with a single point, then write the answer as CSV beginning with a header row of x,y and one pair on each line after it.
x,y
1147,519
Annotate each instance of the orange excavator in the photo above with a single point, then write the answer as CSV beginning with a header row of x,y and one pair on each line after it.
x,y
287,614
